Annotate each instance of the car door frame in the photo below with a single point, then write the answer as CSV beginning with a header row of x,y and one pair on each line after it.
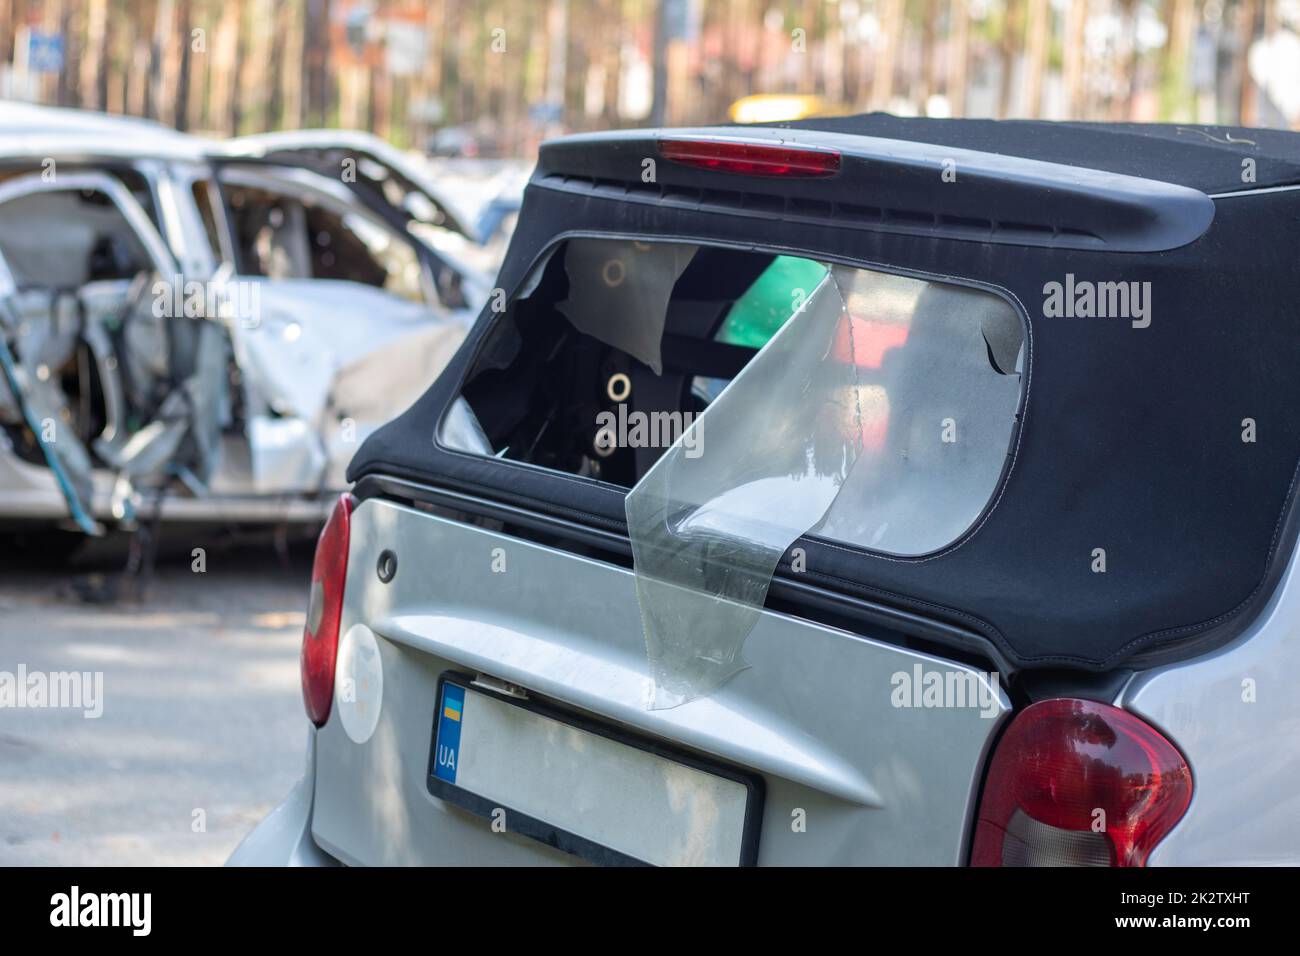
x,y
164,264
306,185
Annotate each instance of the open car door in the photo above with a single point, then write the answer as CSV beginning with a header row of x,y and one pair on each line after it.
x,y
386,183
354,256
98,373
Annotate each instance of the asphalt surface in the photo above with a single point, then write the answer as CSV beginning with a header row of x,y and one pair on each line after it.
x,y
202,730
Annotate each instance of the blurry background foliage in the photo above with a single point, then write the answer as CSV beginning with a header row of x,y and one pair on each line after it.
x,y
494,77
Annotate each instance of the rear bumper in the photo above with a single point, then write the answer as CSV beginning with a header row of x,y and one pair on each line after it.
x,y
284,838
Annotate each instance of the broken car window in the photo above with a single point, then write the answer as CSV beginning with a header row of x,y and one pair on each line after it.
x,y
83,237
205,199
566,379
747,399
284,238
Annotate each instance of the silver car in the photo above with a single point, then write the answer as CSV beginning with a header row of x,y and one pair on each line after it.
x,y
188,329
856,491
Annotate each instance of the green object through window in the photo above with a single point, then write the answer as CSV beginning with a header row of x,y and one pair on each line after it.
x,y
766,305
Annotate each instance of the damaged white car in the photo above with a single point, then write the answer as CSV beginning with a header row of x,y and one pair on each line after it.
x,y
191,330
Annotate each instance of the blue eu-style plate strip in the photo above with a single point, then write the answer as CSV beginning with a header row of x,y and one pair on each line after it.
x,y
451,712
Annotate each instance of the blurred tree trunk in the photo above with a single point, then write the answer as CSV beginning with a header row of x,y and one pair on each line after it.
x,y
1121,106
1177,101
157,28
927,84
832,55
278,23
237,70
315,61
808,61
853,61
140,67
1013,29
557,48
376,87
185,21
66,93
959,52
659,67
1248,26
1036,61
610,28
118,45
517,76
882,80
92,69
8,18
221,50
449,62
198,39
1074,50
680,98
289,76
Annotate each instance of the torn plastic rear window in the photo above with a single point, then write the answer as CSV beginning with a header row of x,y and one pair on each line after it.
x,y
747,399
878,415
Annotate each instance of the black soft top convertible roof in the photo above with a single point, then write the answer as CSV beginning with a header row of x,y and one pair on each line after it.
x,y
1207,158
1131,440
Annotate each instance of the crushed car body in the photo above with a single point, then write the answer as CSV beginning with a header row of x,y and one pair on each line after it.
x,y
191,330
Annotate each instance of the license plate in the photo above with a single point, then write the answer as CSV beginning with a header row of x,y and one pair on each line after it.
x,y
586,788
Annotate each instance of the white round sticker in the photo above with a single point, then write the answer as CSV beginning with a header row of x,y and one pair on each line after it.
x,y
359,683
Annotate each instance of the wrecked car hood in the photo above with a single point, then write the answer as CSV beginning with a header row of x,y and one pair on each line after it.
x,y
311,330
332,361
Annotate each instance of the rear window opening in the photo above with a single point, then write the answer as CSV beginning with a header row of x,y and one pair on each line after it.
x,y
613,349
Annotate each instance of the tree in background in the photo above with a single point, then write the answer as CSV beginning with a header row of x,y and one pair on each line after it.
x,y
504,73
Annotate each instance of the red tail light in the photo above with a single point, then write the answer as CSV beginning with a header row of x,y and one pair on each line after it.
x,y
751,159
320,635
1078,783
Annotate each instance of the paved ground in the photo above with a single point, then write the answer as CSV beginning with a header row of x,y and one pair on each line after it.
x,y
201,709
